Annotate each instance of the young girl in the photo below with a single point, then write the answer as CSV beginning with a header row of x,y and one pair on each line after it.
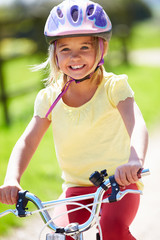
x,y
96,122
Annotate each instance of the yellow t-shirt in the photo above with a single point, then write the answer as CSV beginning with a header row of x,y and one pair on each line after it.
x,y
90,137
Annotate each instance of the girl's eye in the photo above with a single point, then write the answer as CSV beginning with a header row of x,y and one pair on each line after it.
x,y
65,49
85,48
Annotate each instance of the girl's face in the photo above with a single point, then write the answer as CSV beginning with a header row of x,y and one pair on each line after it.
x,y
76,56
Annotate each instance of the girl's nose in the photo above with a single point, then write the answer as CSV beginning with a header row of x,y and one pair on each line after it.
x,y
75,55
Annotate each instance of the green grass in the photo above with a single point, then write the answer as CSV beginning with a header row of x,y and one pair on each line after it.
x,y
146,35
18,78
18,74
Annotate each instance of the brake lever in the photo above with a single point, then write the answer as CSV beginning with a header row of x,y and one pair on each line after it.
x,y
121,194
21,204
115,189
15,212
116,194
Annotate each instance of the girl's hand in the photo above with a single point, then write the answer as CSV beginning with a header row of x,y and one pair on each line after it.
x,y
128,173
9,192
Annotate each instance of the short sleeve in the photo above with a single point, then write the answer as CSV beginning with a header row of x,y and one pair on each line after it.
x,y
43,103
119,89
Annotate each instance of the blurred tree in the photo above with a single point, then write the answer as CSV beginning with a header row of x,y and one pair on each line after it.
x,y
19,21
126,11
124,14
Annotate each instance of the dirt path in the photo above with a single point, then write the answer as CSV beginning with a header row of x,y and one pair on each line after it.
x,y
146,224
145,57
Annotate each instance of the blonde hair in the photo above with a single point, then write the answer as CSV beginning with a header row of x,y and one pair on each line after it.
x,y
56,73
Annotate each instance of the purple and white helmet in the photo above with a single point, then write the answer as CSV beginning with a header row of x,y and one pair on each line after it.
x,y
77,17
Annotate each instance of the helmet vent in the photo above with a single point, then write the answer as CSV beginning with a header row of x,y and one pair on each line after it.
x,y
90,10
59,12
74,13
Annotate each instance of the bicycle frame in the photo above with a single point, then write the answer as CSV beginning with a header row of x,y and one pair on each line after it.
x,y
74,230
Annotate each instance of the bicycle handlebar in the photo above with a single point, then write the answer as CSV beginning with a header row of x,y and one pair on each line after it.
x,y
103,185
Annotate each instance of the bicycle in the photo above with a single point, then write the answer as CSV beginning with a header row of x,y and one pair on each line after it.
x,y
74,230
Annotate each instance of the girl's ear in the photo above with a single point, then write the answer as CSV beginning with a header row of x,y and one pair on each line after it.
x,y
105,47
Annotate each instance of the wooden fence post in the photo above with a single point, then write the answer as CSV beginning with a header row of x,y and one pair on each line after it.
x,y
3,96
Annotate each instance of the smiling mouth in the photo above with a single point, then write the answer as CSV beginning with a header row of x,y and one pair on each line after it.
x,y
77,67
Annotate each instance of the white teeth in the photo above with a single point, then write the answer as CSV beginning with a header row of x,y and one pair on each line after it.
x,y
77,67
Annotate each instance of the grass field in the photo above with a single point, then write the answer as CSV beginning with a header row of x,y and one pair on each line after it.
x,y
146,35
43,174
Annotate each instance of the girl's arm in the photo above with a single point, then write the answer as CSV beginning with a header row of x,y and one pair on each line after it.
x,y
135,125
20,158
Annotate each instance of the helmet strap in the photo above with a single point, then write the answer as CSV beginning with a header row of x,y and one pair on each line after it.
x,y
64,90
101,62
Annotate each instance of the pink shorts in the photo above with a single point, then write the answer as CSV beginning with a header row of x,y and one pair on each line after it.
x,y
115,217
